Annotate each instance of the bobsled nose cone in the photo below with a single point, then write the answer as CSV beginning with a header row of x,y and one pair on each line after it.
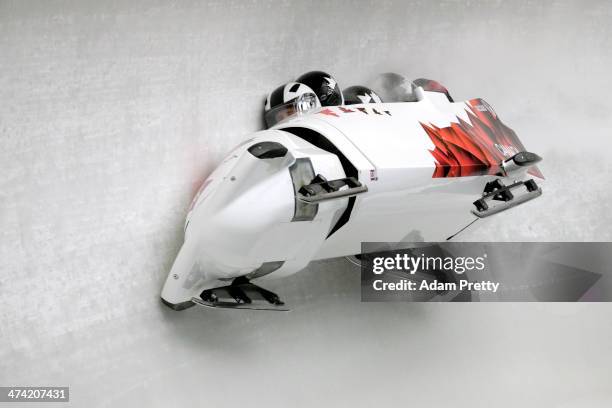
x,y
181,283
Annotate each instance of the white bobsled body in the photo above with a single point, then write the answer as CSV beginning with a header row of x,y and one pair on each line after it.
x,y
420,167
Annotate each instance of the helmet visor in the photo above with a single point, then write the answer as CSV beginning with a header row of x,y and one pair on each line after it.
x,y
300,105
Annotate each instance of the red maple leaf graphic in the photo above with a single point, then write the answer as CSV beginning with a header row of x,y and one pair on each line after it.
x,y
465,149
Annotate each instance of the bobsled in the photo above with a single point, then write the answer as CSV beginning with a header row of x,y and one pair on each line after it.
x,y
325,177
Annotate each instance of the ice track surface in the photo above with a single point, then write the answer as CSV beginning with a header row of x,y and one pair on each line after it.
x,y
112,114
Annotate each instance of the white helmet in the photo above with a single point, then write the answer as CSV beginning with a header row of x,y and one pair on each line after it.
x,y
288,100
392,87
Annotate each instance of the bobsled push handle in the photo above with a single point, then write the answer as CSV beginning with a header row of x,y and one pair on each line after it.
x,y
321,189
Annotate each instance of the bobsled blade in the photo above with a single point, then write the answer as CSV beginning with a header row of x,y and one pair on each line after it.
x,y
241,294
244,306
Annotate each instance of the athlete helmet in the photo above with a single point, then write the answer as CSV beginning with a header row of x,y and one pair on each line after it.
x,y
288,100
325,87
394,87
360,94
433,86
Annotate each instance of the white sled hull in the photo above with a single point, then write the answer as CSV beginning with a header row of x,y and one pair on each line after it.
x,y
411,172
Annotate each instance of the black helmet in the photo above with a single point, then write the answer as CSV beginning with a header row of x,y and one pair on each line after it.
x,y
360,94
324,86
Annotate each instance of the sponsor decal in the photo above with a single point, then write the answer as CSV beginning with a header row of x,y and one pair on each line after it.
x,y
373,175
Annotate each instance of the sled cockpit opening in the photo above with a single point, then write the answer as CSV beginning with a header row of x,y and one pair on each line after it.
x,y
320,141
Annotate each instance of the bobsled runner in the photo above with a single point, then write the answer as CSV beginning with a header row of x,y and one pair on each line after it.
x,y
401,163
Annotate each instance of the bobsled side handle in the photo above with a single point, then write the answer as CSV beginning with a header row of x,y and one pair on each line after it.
x,y
324,190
